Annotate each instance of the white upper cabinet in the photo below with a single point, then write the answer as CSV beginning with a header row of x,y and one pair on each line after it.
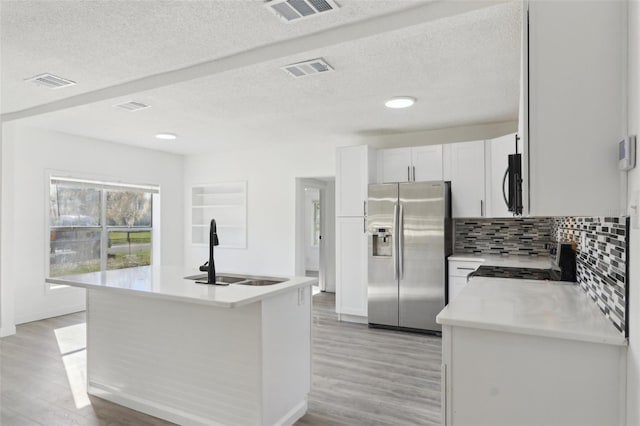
x,y
395,165
577,88
427,163
417,164
466,170
355,169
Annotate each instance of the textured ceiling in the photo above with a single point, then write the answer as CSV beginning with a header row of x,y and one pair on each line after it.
x,y
463,69
100,43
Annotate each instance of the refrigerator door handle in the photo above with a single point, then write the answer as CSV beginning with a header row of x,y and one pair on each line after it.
x,y
394,249
401,242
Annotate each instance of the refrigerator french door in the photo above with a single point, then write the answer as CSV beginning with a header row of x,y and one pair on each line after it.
x,y
409,227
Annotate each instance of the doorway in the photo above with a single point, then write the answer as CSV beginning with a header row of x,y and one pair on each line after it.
x,y
315,231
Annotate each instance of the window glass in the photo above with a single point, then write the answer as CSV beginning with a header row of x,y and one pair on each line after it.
x,y
76,232
128,208
74,251
74,204
128,249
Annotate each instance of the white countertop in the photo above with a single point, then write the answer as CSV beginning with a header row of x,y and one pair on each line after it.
x,y
539,308
168,282
537,262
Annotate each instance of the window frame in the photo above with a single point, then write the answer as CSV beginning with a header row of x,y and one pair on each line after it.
x,y
105,183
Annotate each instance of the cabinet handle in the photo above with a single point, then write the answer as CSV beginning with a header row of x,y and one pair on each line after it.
x,y
414,173
364,208
481,208
364,225
408,174
467,269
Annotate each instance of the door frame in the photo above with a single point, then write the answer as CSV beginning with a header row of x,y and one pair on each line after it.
x,y
327,244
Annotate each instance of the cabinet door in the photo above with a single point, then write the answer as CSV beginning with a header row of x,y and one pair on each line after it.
x,y
396,165
352,180
467,179
427,163
576,101
351,266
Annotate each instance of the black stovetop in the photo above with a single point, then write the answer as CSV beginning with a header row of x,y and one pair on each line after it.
x,y
520,273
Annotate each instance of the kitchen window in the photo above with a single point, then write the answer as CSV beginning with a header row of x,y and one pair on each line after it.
x,y
98,226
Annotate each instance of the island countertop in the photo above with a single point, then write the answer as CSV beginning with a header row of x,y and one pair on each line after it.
x,y
542,308
169,283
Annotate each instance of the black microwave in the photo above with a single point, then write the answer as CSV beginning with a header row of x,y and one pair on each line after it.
x,y
512,183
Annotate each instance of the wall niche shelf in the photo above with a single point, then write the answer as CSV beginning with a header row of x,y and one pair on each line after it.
x,y
227,204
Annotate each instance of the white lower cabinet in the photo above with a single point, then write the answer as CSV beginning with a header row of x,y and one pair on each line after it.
x,y
459,270
351,268
504,379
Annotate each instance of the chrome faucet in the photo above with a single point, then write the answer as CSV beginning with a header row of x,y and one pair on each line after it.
x,y
210,266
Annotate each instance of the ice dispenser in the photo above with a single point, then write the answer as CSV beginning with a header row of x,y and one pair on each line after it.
x,y
382,242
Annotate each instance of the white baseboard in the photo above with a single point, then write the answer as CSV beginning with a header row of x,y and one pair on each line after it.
x,y
176,416
8,330
148,407
353,318
49,313
294,415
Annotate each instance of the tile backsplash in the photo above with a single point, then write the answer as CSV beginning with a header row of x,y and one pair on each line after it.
x,y
602,252
602,259
529,236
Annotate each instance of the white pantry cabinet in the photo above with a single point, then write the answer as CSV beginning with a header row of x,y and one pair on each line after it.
x,y
351,267
355,169
466,171
413,164
577,109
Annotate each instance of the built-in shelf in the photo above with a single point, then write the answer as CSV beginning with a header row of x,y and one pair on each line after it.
x,y
227,204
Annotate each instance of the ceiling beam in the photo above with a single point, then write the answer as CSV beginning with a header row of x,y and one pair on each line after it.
x,y
350,32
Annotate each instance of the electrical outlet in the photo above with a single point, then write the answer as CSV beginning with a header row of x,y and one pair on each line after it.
x,y
301,296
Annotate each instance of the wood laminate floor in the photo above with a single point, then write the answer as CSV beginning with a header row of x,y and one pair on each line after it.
x,y
361,376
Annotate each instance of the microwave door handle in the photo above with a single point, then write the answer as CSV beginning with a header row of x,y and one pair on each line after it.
x,y
504,193
394,242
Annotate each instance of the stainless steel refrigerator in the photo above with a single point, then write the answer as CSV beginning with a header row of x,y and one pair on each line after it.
x,y
409,226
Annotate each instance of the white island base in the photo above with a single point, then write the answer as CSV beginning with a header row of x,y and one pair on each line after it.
x,y
196,358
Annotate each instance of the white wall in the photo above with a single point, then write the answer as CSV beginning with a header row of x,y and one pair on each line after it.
x,y
28,156
633,365
271,174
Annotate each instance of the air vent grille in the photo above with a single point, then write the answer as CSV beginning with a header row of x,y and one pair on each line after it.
x,y
291,10
302,69
132,106
51,81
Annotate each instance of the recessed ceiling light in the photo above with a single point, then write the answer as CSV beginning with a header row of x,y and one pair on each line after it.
x,y
400,102
166,136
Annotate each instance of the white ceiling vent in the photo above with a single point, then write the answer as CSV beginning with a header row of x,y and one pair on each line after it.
x,y
132,106
51,81
302,69
291,10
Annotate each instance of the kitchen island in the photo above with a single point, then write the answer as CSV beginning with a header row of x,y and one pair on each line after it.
x,y
195,353
530,352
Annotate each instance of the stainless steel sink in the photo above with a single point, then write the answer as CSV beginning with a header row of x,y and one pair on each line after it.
x,y
226,280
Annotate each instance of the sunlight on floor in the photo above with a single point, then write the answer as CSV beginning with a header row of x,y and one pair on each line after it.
x,y
315,290
72,343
